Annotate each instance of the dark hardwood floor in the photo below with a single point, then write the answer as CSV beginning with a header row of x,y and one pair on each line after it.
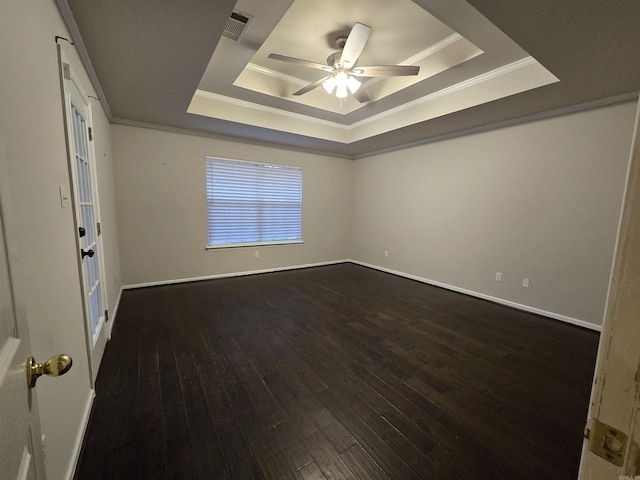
x,y
338,372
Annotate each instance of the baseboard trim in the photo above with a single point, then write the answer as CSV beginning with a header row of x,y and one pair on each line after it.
x,y
77,446
501,301
231,274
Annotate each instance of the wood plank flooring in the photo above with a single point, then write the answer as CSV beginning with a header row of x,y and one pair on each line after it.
x,y
338,372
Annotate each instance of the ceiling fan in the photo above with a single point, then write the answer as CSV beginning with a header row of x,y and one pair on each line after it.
x,y
342,69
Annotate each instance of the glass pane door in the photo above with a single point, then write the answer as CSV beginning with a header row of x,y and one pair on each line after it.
x,y
87,220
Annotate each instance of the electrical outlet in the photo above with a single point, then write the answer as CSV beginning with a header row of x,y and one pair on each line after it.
x,y
525,282
498,277
386,253
257,254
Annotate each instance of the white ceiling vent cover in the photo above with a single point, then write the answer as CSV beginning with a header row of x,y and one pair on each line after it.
x,y
237,26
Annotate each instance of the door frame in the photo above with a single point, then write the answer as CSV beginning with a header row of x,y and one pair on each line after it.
x,y
615,395
95,344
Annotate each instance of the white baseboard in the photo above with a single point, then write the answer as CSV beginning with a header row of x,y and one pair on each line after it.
x,y
231,274
77,446
501,301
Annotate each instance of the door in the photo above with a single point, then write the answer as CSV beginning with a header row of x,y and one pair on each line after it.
x,y
612,447
20,445
86,215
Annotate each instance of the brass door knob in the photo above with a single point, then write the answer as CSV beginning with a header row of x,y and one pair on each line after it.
x,y
54,367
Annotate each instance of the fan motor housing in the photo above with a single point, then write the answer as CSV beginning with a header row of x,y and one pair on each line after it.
x,y
334,58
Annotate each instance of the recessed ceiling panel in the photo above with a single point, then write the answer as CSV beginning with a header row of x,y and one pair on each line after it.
x,y
464,61
404,34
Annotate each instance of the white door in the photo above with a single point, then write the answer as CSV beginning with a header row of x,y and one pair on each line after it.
x,y
86,216
20,445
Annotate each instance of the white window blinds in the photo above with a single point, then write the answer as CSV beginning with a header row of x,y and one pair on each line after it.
x,y
253,203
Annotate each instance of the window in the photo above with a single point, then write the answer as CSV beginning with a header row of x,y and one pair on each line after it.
x,y
251,203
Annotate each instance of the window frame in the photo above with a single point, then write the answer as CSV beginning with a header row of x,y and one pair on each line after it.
x,y
209,199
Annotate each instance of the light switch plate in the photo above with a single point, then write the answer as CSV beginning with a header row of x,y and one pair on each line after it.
x,y
64,197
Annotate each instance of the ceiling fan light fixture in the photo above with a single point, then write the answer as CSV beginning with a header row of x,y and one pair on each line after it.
x,y
353,84
342,81
329,84
341,77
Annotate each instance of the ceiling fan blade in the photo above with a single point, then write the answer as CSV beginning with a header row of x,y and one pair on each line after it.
x,y
355,44
386,71
361,95
310,87
299,61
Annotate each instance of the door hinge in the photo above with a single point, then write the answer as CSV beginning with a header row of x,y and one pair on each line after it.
x,y
606,442
66,71
90,134
99,228
106,315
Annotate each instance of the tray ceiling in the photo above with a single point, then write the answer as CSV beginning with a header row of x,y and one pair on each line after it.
x,y
403,32
165,64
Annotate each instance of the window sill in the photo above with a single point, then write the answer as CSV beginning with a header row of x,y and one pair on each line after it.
x,y
254,244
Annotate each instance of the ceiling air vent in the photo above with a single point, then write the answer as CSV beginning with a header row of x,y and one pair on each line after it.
x,y
237,25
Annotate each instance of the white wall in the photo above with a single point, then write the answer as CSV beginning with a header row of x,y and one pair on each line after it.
x,y
160,181
44,265
538,200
